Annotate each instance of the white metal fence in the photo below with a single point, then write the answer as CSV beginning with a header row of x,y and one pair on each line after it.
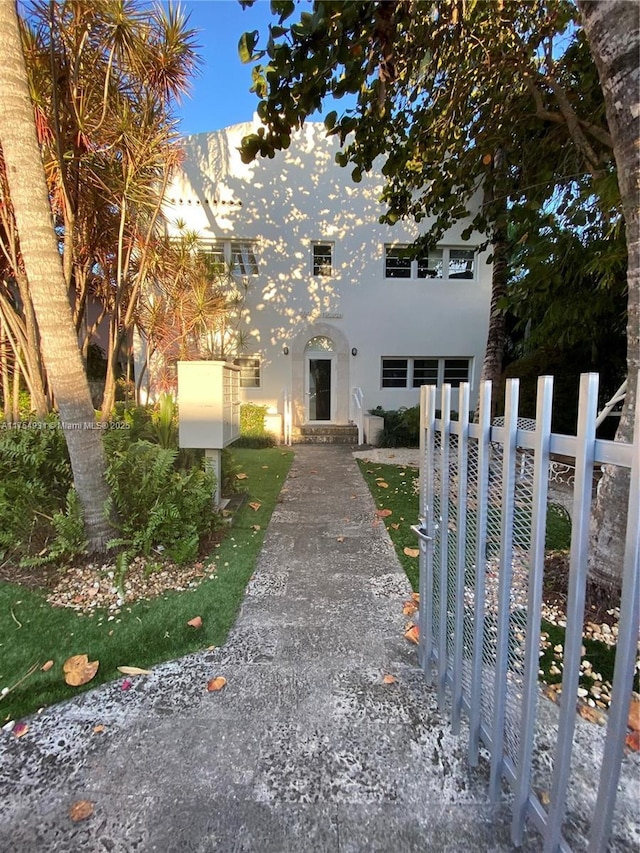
x,y
483,505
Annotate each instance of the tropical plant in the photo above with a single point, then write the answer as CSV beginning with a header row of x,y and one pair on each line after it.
x,y
47,287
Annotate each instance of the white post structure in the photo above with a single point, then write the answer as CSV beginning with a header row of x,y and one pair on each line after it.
x,y
208,410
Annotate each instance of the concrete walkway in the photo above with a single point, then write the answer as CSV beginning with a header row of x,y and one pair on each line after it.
x,y
305,748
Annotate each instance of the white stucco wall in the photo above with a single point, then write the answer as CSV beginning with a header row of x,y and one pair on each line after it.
x,y
284,205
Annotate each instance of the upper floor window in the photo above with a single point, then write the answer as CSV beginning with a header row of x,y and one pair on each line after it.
x,y
238,256
443,263
322,258
249,371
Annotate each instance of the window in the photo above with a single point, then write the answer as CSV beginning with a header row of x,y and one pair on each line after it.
x,y
440,263
396,263
461,263
456,370
412,372
239,256
395,372
322,258
425,371
243,259
249,371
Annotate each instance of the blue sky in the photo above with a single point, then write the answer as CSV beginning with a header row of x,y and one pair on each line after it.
x,y
220,94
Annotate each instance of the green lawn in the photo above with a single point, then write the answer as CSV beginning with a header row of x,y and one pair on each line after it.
x,y
32,631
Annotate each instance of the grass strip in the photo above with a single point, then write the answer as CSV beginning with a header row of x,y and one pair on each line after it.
x,y
147,632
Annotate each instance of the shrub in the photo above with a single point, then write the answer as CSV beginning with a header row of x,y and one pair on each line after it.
x,y
160,509
256,442
252,419
401,427
35,477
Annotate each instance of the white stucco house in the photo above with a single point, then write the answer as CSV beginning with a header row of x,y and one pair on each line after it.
x,y
332,304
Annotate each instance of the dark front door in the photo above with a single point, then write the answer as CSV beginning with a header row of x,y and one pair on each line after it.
x,y
319,389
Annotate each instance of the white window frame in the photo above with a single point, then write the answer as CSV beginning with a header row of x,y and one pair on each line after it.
x,y
416,271
249,364
445,364
320,273
239,256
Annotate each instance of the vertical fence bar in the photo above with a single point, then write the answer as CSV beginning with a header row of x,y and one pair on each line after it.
x,y
505,571
482,493
461,534
445,420
625,660
443,532
425,619
534,606
585,449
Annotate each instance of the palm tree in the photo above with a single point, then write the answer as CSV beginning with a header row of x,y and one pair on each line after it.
x,y
41,258
611,27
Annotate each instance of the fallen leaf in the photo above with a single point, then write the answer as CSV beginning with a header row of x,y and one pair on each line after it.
x,y
255,527
383,485
81,810
395,525
633,720
20,729
127,684
196,622
409,608
384,513
255,505
216,684
416,597
633,741
591,714
389,679
46,666
376,522
487,159
98,729
265,466
79,670
340,539
545,798
241,476
133,670
412,634
412,552
550,693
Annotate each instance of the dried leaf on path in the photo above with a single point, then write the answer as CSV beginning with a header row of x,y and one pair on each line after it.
x,y
412,634
20,729
633,741
79,670
133,670
592,715
633,721
81,810
216,684
384,513
409,608
389,679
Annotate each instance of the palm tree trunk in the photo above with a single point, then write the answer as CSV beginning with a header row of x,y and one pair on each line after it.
x,y
38,244
611,27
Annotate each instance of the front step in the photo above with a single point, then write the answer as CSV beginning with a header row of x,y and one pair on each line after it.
x,y
331,434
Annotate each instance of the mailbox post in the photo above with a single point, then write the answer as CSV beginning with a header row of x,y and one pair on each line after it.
x,y
208,409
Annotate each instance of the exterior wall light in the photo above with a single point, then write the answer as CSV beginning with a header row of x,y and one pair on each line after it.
x,y
285,350
354,351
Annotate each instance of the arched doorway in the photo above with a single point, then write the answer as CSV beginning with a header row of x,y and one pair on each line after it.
x,y
320,379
